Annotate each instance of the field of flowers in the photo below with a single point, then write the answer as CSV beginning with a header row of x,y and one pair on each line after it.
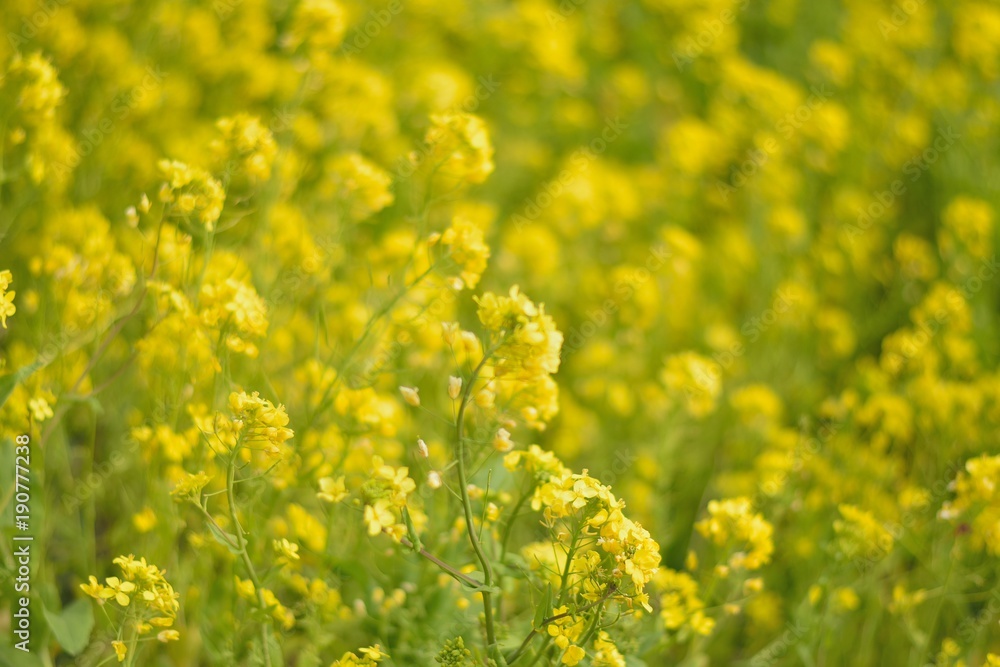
x,y
432,333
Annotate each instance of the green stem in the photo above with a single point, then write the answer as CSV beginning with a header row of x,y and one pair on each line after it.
x,y
541,651
552,619
507,530
369,327
463,484
131,648
451,570
265,624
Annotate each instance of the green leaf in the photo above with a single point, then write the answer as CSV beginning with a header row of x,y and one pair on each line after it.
x,y
72,626
11,380
225,539
482,588
497,655
543,610
12,656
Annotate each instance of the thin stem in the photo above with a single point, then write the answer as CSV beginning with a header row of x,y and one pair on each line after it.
x,y
507,530
450,569
132,647
369,326
265,624
463,483
552,619
541,651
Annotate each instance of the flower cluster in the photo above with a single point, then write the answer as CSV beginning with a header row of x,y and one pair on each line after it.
x,y
858,532
611,554
464,240
977,499
693,381
245,146
527,341
460,147
7,307
364,187
765,238
681,609
385,499
369,657
191,192
747,536
146,601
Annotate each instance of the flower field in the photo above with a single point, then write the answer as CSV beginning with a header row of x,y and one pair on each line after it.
x,y
405,333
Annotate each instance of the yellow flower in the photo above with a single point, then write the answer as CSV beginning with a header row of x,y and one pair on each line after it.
x,y
320,24
332,490
168,636
190,487
40,409
460,147
246,144
606,654
192,191
287,551
573,655
693,381
411,395
374,652
502,441
119,590
468,250
732,522
120,650
454,387
145,520
379,516
94,589
7,307
361,184
846,599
